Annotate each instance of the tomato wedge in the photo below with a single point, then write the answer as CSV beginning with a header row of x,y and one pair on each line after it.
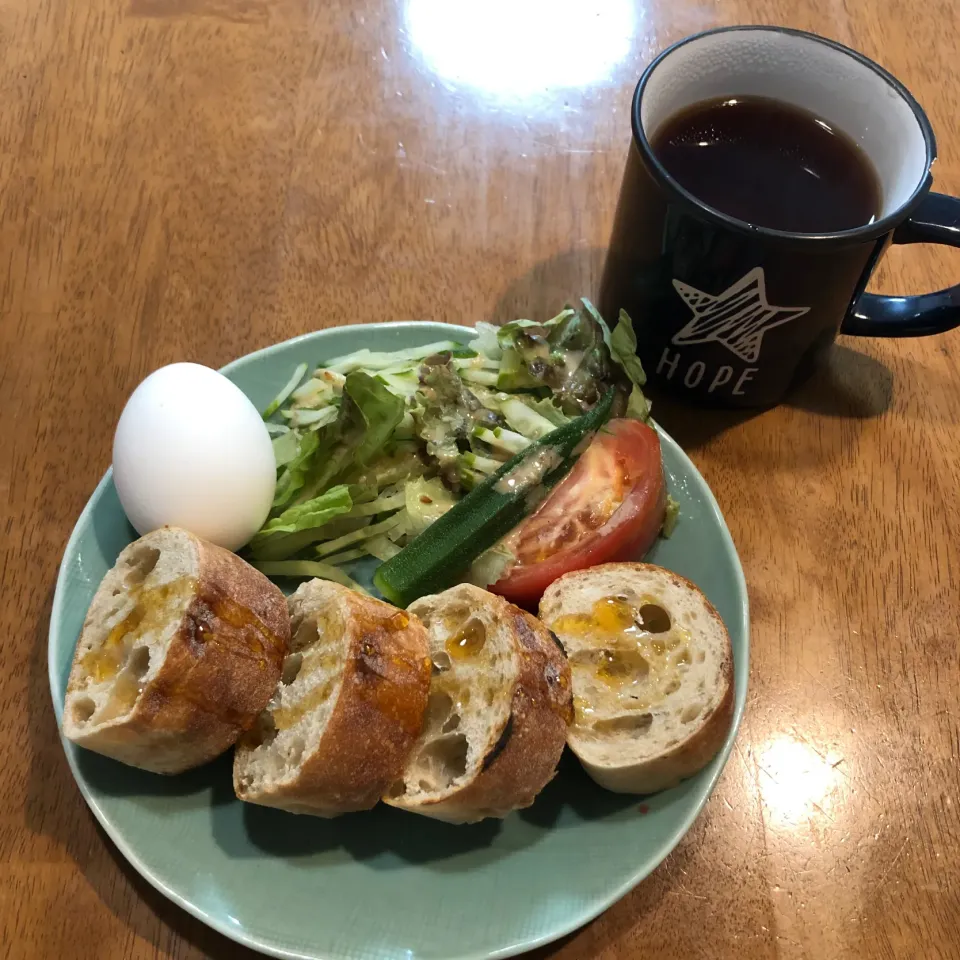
x,y
609,507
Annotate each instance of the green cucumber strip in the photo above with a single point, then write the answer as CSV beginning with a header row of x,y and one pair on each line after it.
x,y
437,558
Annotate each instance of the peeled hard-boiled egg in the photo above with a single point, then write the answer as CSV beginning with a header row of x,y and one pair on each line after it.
x,y
192,451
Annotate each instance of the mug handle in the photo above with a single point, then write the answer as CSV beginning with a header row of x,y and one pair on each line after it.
x,y
936,220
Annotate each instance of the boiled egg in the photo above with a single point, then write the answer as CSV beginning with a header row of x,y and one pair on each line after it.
x,y
192,451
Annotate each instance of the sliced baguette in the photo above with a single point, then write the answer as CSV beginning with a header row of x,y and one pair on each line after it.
x,y
348,709
653,697
497,716
180,651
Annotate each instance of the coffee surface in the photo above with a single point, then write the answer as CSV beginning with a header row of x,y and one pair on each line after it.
x,y
770,164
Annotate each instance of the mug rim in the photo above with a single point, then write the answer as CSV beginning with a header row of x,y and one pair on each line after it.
x,y
865,232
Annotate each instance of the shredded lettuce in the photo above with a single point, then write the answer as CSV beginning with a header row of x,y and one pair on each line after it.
x,y
384,504
322,389
548,410
314,419
448,415
477,462
285,448
382,548
281,397
358,536
491,565
307,568
370,360
526,419
374,446
380,412
501,439
425,501
347,556
486,342
397,463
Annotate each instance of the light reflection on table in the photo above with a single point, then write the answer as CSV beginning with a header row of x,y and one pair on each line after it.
x,y
516,49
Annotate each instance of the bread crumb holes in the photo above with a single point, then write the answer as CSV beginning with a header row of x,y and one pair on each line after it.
x,y
83,709
306,635
291,668
140,564
690,714
636,724
139,663
654,618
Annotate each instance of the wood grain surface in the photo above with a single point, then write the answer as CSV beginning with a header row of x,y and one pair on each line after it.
x,y
194,179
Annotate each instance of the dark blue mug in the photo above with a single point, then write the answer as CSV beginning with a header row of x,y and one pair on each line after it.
x,y
728,312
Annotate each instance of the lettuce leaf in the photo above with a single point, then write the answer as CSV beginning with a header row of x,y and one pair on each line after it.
x,y
286,447
623,346
306,516
565,358
623,349
369,413
379,409
293,476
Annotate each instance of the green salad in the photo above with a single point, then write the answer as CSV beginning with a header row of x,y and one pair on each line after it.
x,y
373,448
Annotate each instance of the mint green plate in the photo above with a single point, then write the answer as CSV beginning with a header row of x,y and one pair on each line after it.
x,y
385,884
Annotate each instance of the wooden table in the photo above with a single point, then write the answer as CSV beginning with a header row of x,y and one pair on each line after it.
x,y
194,179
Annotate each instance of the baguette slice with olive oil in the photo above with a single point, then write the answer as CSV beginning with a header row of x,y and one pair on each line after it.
x,y
496,720
180,651
347,711
652,673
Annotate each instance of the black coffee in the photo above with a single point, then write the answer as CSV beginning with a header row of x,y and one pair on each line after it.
x,y
770,164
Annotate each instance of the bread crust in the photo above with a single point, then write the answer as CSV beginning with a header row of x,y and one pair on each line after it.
x,y
523,760
684,758
220,670
375,722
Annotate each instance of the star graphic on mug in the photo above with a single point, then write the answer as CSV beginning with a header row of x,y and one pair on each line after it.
x,y
738,318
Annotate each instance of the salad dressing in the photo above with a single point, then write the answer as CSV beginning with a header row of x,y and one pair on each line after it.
x,y
406,436
641,657
529,472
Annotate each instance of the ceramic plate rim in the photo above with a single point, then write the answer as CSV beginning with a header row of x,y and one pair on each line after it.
x,y
575,922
